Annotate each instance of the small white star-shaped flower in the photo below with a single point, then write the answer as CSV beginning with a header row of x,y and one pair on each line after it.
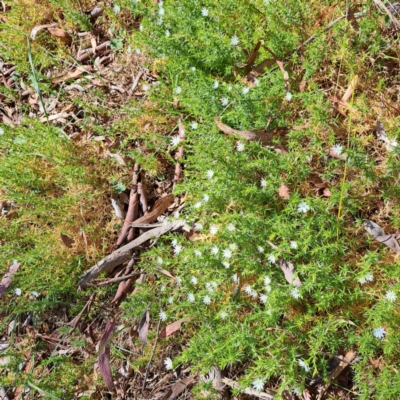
x,y
162,315
258,384
197,205
214,250
240,147
260,249
204,12
198,226
175,140
210,174
227,253
263,298
390,296
272,259
206,300
226,264
178,90
223,315
168,363
293,244
295,293
17,292
194,125
263,183
233,246
198,253
245,90
231,228
191,298
137,51
248,289
161,11
116,9
235,278
159,260
303,207
267,280
178,280
254,294
303,365
215,84
170,300
193,279
213,229
379,332
288,96
234,40
177,249
167,33
206,198
369,277
224,101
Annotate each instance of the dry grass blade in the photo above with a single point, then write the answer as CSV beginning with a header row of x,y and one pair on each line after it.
x,y
104,355
73,74
264,137
7,278
350,90
38,28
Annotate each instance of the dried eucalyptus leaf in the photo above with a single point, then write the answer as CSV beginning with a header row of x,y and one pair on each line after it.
x,y
379,234
289,272
144,327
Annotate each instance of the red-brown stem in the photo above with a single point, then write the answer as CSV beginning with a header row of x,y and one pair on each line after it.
x,y
143,199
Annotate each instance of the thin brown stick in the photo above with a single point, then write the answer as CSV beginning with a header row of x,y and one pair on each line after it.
x,y
136,81
119,279
395,21
152,355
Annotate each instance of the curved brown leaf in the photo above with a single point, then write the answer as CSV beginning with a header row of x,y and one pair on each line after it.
x,y
144,327
104,355
38,28
264,137
379,234
288,270
174,327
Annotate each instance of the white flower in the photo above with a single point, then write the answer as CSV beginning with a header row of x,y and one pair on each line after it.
x,y
369,277
117,8
234,40
215,84
193,68
240,147
267,288
206,300
226,264
167,33
159,260
191,298
161,11
260,249
193,279
254,294
362,280
140,27
170,300
214,229
204,12
263,298
267,280
206,197
390,296
137,51
337,149
198,253
198,226
224,101
295,293
288,96
272,259
379,332
168,363
177,249
231,228
18,291
210,174
214,250
258,384
303,365
233,246
245,90
263,183
178,90
35,294
256,82
223,315
303,207
197,205
135,1
235,278
229,88
248,289
162,315
194,125
1,131
174,242
211,286
227,253
175,140
293,244
178,280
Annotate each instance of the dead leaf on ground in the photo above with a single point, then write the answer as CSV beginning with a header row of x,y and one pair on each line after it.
x,y
349,91
104,355
38,28
289,272
379,234
7,278
67,241
178,387
164,272
334,152
118,158
324,15
326,193
382,136
144,327
174,327
284,192
59,33
73,74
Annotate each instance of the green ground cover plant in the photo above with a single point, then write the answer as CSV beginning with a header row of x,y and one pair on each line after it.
x,y
298,202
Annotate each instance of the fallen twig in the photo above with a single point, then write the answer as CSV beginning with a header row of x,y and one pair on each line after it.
x,y
251,392
151,216
123,254
118,279
136,81
394,20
